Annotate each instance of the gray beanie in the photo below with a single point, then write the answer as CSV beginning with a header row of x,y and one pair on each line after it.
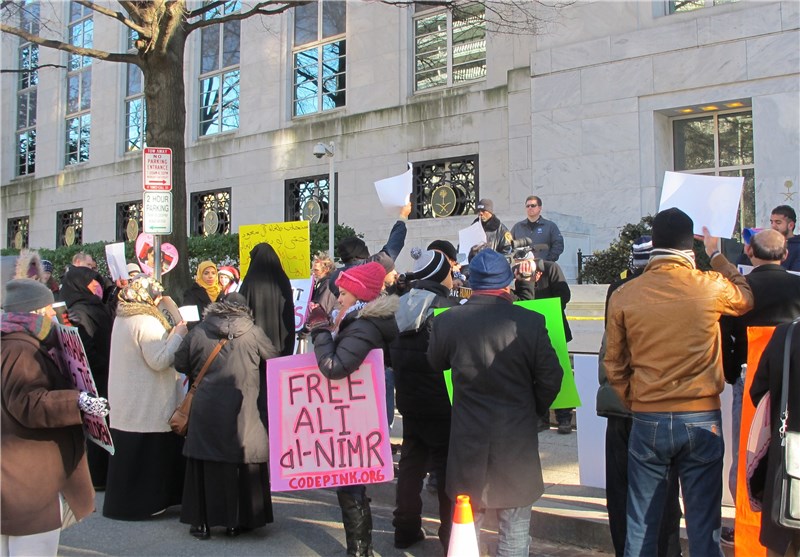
x,y
26,295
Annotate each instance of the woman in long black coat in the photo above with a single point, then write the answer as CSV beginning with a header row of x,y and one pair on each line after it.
x,y
269,294
82,291
768,381
227,450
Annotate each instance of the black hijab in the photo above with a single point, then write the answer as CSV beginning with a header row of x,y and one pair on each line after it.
x,y
93,319
269,294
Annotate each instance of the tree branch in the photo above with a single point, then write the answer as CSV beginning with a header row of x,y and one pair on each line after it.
x,y
207,8
34,69
66,47
112,14
269,7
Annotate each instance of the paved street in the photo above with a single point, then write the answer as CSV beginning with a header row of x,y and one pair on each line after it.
x,y
307,524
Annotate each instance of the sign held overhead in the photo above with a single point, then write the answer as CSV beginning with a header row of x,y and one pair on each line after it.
x,y
157,169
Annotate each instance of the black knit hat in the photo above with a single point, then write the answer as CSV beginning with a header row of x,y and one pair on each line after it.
x,y
672,228
430,265
445,247
352,248
486,204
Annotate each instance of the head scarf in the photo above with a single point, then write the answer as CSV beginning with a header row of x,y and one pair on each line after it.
x,y
213,290
269,294
141,290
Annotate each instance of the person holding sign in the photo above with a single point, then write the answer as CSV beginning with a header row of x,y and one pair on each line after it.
x,y
227,475
145,475
45,471
505,374
365,321
205,289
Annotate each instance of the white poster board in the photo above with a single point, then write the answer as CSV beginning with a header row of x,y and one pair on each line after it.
x,y
395,192
115,258
711,201
591,427
470,236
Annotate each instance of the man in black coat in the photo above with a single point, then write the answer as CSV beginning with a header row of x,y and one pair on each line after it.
x,y
421,398
505,373
776,300
497,235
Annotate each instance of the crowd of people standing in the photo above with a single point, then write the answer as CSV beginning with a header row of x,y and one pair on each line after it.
x,y
664,427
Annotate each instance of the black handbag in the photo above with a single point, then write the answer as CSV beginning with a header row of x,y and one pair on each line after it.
x,y
786,489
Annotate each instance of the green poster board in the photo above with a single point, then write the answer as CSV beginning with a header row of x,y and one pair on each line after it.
x,y
550,308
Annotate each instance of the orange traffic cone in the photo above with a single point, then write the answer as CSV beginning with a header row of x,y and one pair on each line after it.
x,y
463,541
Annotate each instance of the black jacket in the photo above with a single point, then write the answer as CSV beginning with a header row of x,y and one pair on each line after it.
x,y
359,332
196,295
767,380
553,284
228,422
497,235
776,300
419,389
505,374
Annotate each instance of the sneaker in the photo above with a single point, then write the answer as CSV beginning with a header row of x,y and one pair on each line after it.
x,y
565,428
726,536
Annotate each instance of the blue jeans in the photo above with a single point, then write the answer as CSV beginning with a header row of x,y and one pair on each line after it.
x,y
514,528
691,441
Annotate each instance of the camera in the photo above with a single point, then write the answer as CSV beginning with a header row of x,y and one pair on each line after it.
x,y
320,150
518,251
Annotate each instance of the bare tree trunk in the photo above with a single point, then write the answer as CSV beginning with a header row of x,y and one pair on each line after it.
x,y
166,124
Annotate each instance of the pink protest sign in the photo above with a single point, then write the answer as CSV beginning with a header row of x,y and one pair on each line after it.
x,y
75,366
327,433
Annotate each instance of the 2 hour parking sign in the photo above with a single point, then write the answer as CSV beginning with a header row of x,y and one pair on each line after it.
x,y
157,209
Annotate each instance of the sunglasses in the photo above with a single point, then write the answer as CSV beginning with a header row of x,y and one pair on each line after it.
x,y
531,205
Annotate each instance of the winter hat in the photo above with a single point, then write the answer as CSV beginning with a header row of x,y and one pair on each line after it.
x,y
133,268
47,266
486,205
445,247
229,271
640,251
26,295
365,282
489,270
672,228
430,265
352,248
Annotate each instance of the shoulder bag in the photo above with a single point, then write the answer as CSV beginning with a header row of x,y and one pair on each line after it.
x,y
179,421
786,492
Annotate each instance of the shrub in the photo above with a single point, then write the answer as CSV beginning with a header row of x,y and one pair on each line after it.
x,y
605,266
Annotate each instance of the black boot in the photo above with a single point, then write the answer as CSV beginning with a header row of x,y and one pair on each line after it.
x,y
357,520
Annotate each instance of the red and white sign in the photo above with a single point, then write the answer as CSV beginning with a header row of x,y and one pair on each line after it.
x,y
157,169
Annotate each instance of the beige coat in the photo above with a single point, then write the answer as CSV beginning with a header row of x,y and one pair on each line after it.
x,y
143,388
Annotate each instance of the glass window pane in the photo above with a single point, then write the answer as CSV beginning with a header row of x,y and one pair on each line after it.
x,y
305,23
230,101
73,93
209,49
432,24
86,89
735,139
334,18
32,108
134,124
746,216
230,44
75,11
209,105
694,143
22,111
134,86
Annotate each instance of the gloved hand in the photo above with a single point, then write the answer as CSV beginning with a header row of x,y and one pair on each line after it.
x,y
318,318
93,405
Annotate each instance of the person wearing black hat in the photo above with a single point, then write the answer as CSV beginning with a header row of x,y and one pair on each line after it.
x,y
421,398
619,421
497,235
663,360
450,252
505,374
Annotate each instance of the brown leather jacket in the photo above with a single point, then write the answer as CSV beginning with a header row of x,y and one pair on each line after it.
x,y
664,350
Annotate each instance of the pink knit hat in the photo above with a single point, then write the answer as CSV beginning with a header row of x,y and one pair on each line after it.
x,y
365,282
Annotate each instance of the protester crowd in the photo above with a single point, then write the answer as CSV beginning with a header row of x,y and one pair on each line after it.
x,y
674,335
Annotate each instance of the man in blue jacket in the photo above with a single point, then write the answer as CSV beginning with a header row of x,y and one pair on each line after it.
x,y
544,234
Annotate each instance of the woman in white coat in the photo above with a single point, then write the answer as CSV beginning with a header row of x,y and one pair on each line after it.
x,y
145,474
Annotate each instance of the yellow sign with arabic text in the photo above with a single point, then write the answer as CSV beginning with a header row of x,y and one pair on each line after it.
x,y
290,240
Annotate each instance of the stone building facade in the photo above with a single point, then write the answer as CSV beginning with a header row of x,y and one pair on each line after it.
x,y
587,113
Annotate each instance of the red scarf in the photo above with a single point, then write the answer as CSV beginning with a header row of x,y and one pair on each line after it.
x,y
499,293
